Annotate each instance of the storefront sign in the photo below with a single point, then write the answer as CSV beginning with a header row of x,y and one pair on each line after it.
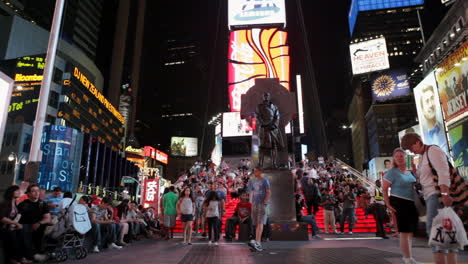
x,y
452,78
150,196
161,156
134,150
153,153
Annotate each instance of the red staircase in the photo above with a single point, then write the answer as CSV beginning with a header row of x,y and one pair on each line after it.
x,y
363,224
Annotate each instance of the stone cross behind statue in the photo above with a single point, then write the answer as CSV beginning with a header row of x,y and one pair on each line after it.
x,y
273,106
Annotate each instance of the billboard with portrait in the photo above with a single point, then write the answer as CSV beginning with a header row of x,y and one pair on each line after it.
x,y
61,157
390,84
6,87
452,78
459,142
234,126
184,146
430,117
414,129
255,53
369,56
245,13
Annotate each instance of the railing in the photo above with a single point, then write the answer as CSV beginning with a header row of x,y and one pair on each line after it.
x,y
356,173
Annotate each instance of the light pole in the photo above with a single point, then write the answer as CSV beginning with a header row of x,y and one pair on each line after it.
x,y
14,157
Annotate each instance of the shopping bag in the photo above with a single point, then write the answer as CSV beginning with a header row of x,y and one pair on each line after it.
x,y
447,230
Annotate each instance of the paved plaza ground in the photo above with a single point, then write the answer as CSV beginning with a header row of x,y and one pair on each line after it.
x,y
331,249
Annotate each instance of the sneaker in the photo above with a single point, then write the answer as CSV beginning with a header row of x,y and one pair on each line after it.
x,y
252,243
258,247
113,245
350,232
317,237
210,243
95,249
40,257
121,243
216,244
413,261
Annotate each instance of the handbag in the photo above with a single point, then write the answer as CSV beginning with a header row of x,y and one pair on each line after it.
x,y
458,188
447,230
419,201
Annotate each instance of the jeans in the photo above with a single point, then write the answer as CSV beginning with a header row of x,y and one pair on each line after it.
x,y
104,233
232,223
310,219
347,212
213,228
432,205
32,240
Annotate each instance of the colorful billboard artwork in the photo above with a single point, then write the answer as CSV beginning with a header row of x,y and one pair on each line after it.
x,y
234,126
452,78
256,53
242,13
430,116
6,88
28,79
459,142
369,56
61,156
390,84
150,196
184,146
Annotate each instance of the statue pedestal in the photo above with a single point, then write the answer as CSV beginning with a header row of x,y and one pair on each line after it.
x,y
282,209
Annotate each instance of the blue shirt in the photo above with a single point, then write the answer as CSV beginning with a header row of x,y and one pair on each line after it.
x,y
259,188
402,183
54,200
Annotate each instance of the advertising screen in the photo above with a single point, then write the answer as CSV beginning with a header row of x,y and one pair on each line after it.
x,y
452,78
243,13
430,117
6,87
28,78
234,126
61,156
217,153
369,56
389,84
414,129
184,146
252,54
459,142
150,196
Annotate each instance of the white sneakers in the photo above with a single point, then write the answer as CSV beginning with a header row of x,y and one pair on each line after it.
x,y
95,249
410,261
113,245
40,257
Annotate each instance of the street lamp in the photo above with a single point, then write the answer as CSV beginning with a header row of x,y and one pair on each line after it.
x,y
14,157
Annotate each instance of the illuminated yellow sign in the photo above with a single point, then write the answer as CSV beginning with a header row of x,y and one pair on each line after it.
x,y
92,89
27,78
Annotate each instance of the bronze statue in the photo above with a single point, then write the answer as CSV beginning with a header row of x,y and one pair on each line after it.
x,y
268,117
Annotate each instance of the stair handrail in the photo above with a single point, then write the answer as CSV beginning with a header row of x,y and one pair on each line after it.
x,y
356,173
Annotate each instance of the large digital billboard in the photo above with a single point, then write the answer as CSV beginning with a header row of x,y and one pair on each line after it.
x,y
184,146
369,56
6,87
234,126
28,78
61,157
452,78
414,129
256,53
245,13
459,142
430,116
390,84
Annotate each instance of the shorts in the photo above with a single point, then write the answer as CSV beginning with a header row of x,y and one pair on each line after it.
x,y
406,214
186,217
259,213
169,221
444,251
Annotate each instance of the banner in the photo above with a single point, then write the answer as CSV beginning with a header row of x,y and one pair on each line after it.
x,y
150,195
430,117
369,56
184,146
414,129
61,156
389,84
459,142
452,78
234,126
6,87
242,13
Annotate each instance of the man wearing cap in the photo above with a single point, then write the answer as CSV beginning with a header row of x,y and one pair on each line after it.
x,y
54,200
378,209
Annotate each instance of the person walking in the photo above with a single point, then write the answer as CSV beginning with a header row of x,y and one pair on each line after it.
x,y
169,203
328,204
186,208
261,193
401,202
212,207
348,210
433,159
378,209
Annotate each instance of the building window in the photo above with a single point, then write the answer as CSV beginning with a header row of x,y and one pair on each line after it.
x,y
53,99
27,143
14,138
58,76
50,119
3,167
10,167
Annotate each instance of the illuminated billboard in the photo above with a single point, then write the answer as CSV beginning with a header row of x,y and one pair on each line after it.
x,y
244,13
6,87
389,84
414,129
61,157
430,117
369,56
234,126
459,142
452,78
28,78
255,53
367,5
153,153
184,146
150,195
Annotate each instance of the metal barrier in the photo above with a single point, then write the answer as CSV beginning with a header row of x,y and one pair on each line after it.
x,y
356,173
